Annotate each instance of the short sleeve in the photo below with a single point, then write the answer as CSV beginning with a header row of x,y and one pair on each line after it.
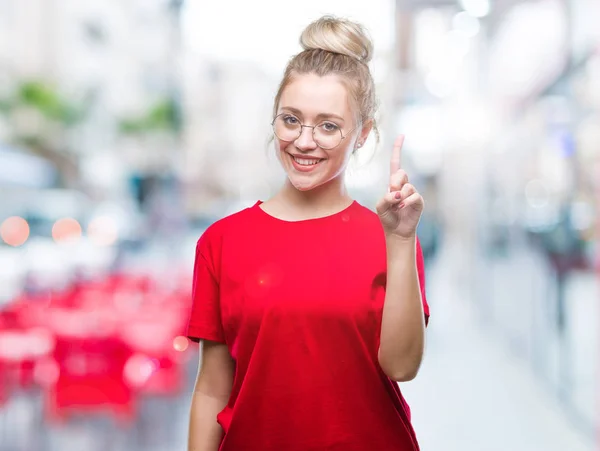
x,y
421,271
205,317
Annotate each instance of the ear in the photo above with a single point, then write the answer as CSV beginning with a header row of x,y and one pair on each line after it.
x,y
364,133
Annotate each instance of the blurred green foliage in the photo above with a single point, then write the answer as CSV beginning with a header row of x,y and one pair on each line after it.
x,y
162,116
46,100
42,97
59,113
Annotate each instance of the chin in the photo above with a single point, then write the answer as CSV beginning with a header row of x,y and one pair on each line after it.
x,y
303,185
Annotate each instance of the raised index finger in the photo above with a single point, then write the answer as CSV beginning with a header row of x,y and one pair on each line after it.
x,y
396,161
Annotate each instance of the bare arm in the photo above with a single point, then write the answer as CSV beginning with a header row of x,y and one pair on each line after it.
x,y
211,393
403,323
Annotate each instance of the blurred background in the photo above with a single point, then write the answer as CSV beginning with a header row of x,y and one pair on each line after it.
x,y
128,126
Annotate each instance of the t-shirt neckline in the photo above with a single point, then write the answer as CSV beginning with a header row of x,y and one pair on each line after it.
x,y
335,215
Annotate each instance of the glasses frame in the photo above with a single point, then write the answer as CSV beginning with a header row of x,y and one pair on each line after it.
x,y
342,136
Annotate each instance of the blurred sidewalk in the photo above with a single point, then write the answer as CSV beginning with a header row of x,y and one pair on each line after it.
x,y
471,393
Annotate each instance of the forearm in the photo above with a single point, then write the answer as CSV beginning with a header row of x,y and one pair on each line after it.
x,y
403,325
205,433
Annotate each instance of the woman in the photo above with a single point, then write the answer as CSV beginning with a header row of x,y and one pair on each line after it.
x,y
309,306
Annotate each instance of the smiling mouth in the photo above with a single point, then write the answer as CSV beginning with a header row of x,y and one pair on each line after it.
x,y
307,161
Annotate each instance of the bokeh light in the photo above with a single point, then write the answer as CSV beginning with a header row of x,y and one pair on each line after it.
x,y
14,231
476,8
102,230
66,229
138,369
180,343
466,24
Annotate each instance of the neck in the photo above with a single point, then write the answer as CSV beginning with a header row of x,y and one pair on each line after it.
x,y
331,196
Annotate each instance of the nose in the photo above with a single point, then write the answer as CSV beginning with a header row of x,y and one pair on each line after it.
x,y
305,141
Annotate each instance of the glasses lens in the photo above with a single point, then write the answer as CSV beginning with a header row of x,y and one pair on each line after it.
x,y
328,135
287,127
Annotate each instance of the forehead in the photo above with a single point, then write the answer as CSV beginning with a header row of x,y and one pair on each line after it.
x,y
313,95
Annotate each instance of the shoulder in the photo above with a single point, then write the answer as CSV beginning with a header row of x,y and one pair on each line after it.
x,y
364,211
212,238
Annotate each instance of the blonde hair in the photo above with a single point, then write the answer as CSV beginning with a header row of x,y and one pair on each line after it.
x,y
341,47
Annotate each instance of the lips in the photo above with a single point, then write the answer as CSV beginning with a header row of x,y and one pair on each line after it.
x,y
304,163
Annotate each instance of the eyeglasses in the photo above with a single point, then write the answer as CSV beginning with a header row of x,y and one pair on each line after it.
x,y
326,134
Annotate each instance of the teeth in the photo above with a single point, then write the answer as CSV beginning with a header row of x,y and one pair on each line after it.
x,y
305,162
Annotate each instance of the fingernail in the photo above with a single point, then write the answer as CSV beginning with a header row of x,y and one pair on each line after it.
x,y
398,195
401,205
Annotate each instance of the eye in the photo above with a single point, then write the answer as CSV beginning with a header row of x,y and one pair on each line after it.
x,y
329,127
291,120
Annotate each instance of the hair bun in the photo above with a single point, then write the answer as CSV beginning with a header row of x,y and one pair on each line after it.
x,y
337,35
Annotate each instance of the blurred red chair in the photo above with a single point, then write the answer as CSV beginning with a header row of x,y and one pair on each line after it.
x,y
22,343
91,360
96,345
156,367
90,380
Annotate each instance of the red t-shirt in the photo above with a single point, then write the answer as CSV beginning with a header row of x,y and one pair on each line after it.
x,y
299,305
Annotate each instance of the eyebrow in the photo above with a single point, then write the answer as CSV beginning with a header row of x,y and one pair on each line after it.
x,y
320,115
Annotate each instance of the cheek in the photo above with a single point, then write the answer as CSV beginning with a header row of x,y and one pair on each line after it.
x,y
278,149
281,147
343,156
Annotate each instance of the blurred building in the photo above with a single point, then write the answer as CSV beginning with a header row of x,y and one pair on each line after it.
x,y
502,101
227,106
110,61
